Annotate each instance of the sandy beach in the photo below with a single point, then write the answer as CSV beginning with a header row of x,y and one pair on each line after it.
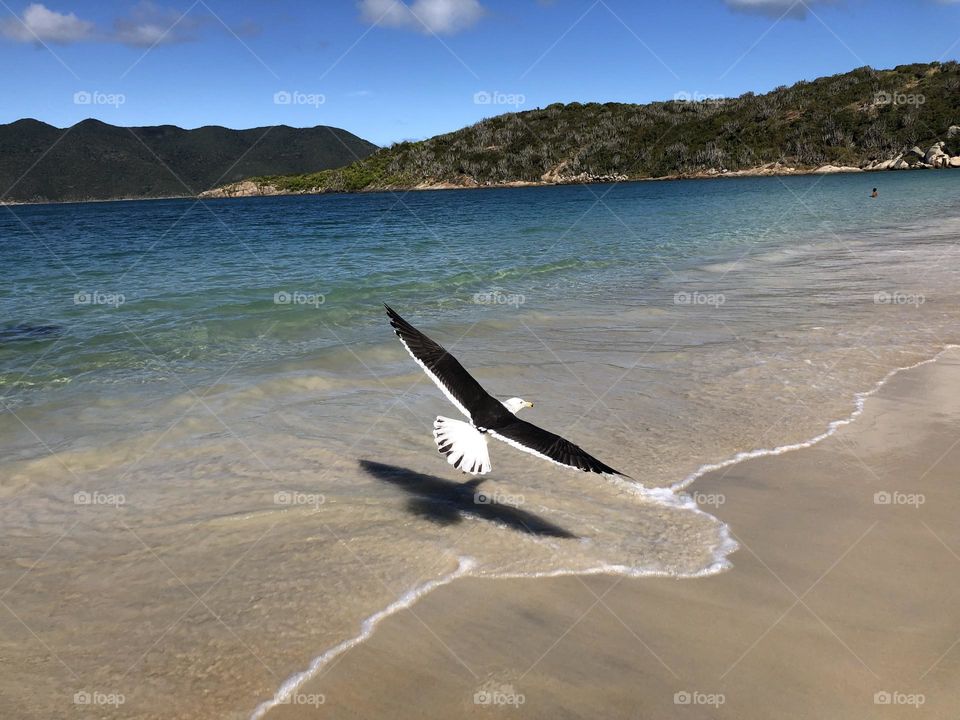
x,y
841,602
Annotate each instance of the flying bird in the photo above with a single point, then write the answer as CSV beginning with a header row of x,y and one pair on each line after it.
x,y
465,443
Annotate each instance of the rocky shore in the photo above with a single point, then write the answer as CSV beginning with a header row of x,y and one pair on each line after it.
x,y
914,158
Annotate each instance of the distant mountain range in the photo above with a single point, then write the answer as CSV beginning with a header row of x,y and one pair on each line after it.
x,y
96,161
863,119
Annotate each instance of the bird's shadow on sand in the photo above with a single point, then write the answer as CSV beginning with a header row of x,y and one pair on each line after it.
x,y
446,502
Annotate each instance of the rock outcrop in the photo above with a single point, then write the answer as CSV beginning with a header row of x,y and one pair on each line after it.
x,y
936,156
830,169
245,188
557,176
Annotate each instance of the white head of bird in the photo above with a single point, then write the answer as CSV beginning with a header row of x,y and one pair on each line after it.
x,y
516,404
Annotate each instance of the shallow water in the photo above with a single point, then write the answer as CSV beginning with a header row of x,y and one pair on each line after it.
x,y
205,486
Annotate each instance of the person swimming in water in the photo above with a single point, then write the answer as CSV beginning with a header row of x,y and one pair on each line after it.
x,y
874,193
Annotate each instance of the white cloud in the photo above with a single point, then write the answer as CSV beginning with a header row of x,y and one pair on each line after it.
x,y
427,16
39,24
776,8
150,25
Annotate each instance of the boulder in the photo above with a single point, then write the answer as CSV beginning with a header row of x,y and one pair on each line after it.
x,y
935,155
955,161
900,164
915,151
953,131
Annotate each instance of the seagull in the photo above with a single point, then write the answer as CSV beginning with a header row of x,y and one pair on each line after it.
x,y
465,443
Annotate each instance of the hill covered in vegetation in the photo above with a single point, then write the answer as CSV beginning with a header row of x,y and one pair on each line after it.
x,y
96,161
856,119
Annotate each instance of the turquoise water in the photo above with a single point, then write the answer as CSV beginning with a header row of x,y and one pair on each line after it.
x,y
197,282
205,400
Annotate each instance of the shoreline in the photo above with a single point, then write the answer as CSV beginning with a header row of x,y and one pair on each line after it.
x,y
312,678
712,174
213,194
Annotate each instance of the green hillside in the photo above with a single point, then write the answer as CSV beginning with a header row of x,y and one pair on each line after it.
x,y
96,161
855,118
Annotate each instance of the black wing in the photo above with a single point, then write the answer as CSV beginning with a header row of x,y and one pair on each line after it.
x,y
544,444
440,366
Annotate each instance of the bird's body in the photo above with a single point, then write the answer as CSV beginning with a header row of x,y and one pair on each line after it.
x,y
465,443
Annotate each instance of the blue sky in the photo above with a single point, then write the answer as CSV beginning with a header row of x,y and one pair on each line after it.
x,y
388,70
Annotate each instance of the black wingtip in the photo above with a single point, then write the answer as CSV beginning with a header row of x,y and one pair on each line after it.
x,y
392,314
611,471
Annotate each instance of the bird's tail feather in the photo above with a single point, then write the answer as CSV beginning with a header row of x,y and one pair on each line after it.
x,y
464,445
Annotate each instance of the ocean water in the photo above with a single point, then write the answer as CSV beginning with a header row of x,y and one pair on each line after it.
x,y
217,464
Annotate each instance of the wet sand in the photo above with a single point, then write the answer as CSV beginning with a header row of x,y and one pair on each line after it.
x,y
839,604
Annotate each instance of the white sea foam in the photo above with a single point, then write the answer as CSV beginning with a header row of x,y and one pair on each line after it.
x,y
859,401
467,567
294,682
672,496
